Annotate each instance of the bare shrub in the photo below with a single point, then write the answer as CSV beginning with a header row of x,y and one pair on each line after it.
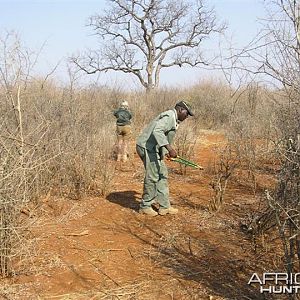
x,y
224,168
275,54
52,138
248,113
22,152
85,170
185,142
284,202
211,103
251,129
81,120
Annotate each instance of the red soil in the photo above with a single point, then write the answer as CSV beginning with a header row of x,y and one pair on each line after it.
x,y
101,248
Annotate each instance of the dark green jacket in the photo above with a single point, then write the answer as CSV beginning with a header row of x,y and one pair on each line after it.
x,y
123,116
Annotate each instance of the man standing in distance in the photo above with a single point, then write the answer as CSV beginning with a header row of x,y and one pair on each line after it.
x,y
152,145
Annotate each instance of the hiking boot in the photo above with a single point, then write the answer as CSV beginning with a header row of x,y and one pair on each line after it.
x,y
171,210
148,211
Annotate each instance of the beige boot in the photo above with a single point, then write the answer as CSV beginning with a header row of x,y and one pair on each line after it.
x,y
171,210
148,211
119,157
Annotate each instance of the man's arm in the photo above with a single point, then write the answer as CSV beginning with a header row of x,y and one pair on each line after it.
x,y
172,152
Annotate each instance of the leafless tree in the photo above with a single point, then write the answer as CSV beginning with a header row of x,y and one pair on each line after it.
x,y
141,37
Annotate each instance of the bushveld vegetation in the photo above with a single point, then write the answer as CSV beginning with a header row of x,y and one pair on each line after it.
x,y
58,140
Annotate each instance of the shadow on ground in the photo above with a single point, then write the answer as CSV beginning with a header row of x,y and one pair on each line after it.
x,y
195,259
127,199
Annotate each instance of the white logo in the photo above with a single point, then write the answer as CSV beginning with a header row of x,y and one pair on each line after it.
x,y
277,283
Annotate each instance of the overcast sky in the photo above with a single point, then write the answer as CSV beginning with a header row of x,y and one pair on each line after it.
x,y
60,25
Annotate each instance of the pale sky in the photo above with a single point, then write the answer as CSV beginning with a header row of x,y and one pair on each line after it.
x,y
60,24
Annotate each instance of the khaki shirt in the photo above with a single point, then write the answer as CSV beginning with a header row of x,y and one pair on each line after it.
x,y
160,132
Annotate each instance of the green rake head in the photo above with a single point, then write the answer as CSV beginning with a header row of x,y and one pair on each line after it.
x,y
186,162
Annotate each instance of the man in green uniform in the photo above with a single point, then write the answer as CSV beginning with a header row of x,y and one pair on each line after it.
x,y
152,145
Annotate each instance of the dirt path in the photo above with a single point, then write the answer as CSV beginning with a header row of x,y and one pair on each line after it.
x,y
101,248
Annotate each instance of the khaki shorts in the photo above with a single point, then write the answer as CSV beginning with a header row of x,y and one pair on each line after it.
x,y
123,131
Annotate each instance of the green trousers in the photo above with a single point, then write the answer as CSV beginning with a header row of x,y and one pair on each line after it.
x,y
156,179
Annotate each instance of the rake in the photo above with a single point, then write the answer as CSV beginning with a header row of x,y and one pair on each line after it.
x,y
186,162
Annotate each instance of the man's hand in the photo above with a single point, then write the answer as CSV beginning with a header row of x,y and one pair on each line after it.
x,y
172,152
